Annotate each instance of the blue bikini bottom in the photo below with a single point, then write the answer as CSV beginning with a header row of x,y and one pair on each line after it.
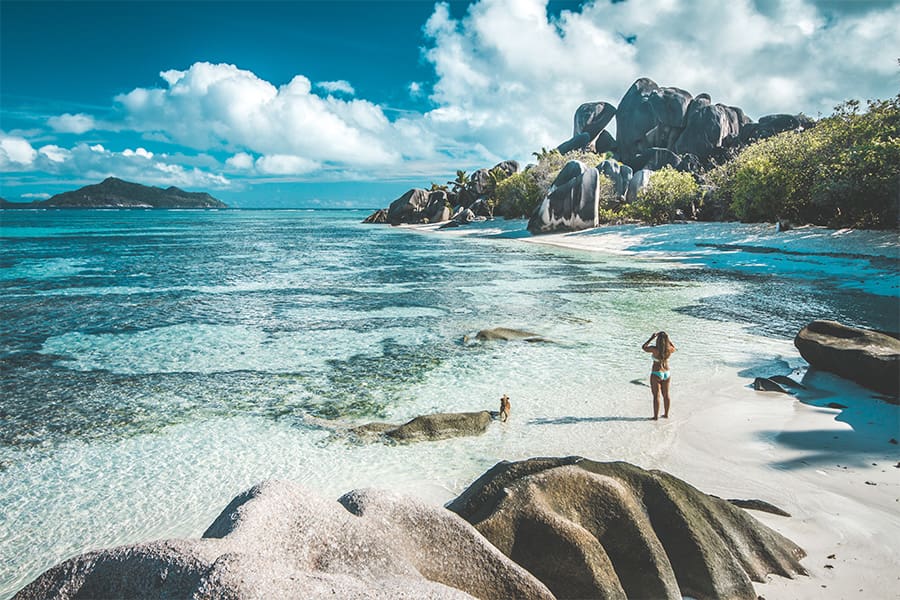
x,y
663,375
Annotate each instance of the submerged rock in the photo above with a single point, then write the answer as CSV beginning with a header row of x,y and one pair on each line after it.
x,y
436,426
277,540
868,357
506,334
613,530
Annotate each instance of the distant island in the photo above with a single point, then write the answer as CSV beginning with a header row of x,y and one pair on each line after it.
x,y
116,193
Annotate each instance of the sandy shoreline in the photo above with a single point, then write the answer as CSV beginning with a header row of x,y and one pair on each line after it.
x,y
817,463
838,479
834,470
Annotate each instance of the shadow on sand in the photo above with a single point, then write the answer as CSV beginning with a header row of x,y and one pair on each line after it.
x,y
873,422
573,420
826,447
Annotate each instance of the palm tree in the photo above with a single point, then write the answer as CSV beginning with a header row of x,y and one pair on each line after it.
x,y
460,183
544,154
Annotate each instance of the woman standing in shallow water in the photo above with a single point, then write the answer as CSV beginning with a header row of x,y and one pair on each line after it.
x,y
660,377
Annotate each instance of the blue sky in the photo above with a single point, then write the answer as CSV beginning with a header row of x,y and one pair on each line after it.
x,y
340,104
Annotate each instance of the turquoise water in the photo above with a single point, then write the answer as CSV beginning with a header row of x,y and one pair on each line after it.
x,y
156,363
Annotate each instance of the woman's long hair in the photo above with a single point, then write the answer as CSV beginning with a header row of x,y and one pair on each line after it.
x,y
663,350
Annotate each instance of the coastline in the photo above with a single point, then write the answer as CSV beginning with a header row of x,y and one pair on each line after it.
x,y
834,470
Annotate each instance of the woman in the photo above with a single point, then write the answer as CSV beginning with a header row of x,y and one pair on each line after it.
x,y
660,377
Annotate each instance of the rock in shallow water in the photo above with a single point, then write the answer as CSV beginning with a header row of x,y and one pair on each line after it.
x,y
507,334
437,426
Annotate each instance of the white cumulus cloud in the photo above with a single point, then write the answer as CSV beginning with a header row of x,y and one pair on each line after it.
x,y
240,161
340,86
221,107
142,152
54,153
84,161
284,164
15,152
68,123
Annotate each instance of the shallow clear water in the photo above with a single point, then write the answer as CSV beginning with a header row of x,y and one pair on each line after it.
x,y
156,363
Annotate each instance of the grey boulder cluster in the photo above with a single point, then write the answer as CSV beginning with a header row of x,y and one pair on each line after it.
x,y
656,127
668,126
539,528
463,205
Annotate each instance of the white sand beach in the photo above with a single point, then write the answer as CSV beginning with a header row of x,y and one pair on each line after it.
x,y
835,470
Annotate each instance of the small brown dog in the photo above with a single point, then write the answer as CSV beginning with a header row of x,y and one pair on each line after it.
x,y
505,407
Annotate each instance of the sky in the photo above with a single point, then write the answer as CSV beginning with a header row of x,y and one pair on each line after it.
x,y
350,103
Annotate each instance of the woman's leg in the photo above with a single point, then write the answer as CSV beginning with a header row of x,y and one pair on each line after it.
x,y
664,386
654,387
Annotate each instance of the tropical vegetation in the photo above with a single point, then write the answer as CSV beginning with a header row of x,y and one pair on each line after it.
x,y
844,172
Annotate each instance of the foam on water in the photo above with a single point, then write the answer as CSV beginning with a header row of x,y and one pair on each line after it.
x,y
134,412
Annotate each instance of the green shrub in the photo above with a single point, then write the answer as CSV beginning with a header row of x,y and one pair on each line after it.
x,y
609,200
518,195
844,172
668,191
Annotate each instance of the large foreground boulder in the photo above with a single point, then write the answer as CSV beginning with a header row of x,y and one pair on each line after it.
x,y
277,540
613,530
571,203
870,358
543,528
